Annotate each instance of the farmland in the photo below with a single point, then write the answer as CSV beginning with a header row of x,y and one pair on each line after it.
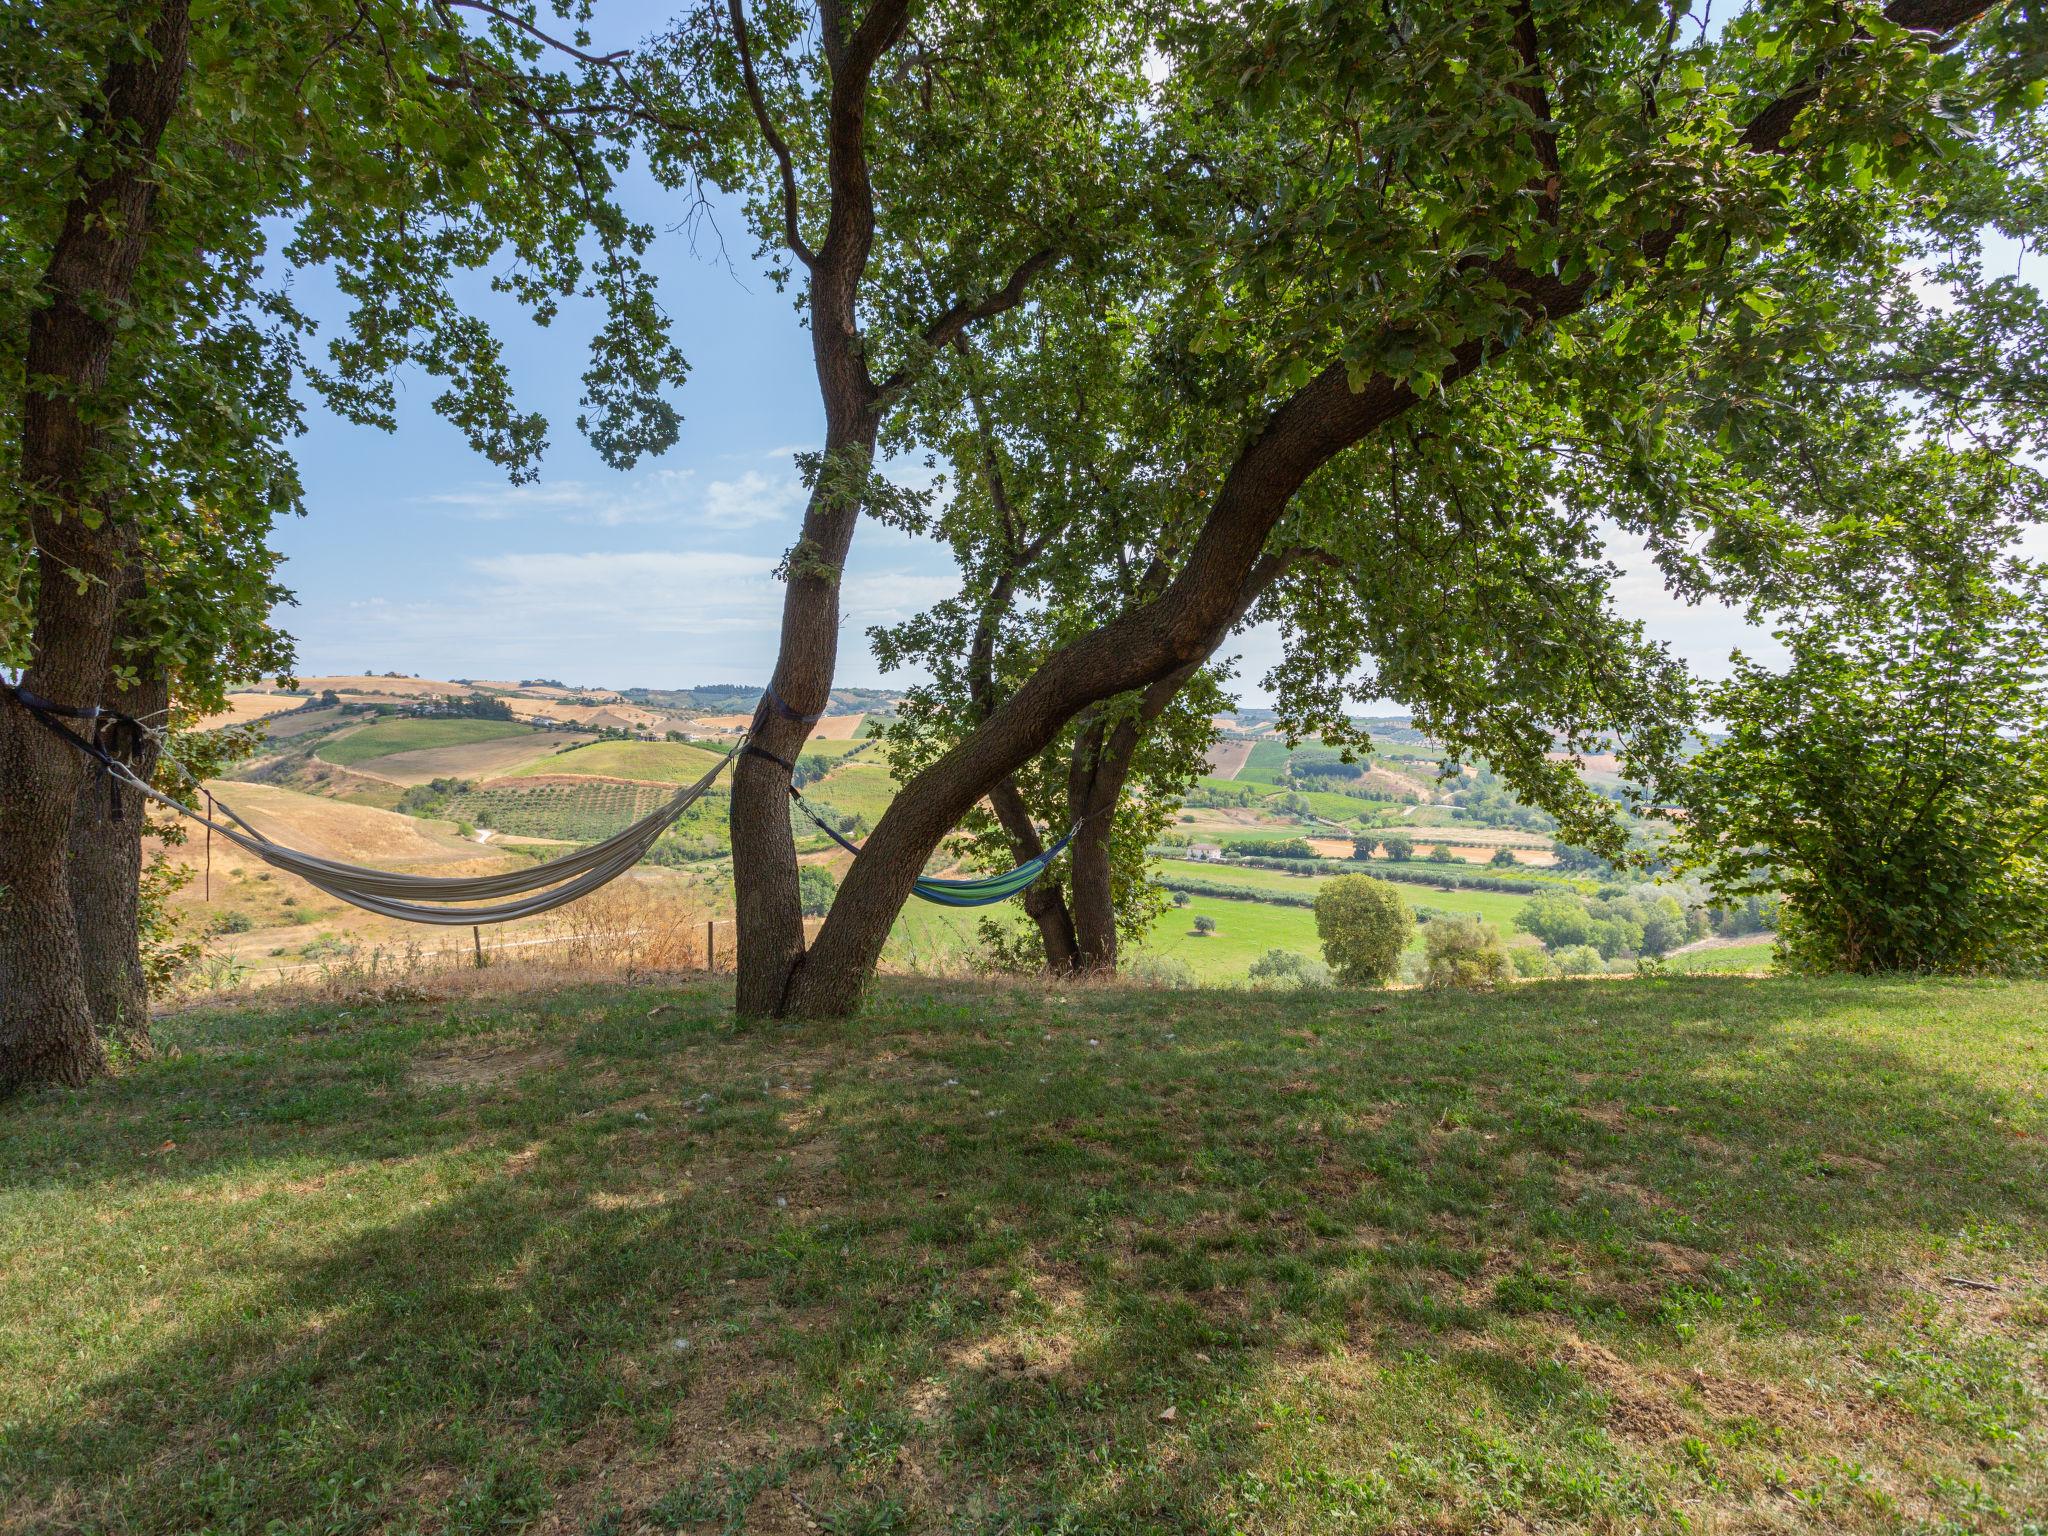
x,y
660,762
349,749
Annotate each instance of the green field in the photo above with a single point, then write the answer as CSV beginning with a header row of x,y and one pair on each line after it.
x,y
1267,763
1593,1258
661,762
1747,956
389,736
859,788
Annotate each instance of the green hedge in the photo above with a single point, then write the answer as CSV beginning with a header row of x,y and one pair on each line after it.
x,y
1446,877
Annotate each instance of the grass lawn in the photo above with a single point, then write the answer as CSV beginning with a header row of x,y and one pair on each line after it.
x,y
1649,1256
389,736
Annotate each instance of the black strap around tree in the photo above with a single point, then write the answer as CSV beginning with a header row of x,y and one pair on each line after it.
x,y
750,750
116,738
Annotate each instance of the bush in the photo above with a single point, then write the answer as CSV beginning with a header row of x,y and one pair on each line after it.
x,y
1579,960
1180,898
1504,858
1532,961
231,922
1890,783
1148,970
815,886
1464,952
1283,968
1204,924
1364,925
1441,854
1271,848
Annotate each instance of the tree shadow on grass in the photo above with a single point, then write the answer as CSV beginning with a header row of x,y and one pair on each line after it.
x,y
1296,1262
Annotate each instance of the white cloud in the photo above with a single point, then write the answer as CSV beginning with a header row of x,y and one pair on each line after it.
x,y
753,498
628,594
654,497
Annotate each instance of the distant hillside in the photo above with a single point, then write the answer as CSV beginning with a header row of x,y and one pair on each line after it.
x,y
745,698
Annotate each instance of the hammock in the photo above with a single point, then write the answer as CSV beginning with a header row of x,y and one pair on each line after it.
x,y
538,889
984,892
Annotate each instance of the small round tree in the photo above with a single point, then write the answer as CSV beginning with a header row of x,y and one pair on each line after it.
x,y
1362,847
1364,925
1205,924
1398,846
1504,858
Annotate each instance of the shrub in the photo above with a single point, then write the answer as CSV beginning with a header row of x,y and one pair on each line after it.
x,y
231,922
1464,952
1504,858
815,887
1532,961
1204,924
1579,960
1149,970
1364,925
1180,898
1283,968
1890,783
1441,854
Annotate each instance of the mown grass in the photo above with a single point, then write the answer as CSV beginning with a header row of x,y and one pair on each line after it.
x,y
1658,1256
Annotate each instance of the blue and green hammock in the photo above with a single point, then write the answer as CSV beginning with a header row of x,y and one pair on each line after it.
x,y
984,892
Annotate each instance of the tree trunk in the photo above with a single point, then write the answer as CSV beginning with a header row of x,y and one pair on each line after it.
x,y
1100,768
1043,903
106,871
47,1029
765,896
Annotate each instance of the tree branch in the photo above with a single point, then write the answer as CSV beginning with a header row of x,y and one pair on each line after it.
x,y
615,58
792,232
954,320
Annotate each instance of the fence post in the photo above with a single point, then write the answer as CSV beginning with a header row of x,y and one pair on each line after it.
x,y
711,946
476,932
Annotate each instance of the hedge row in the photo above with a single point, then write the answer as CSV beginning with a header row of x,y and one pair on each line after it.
x,y
1447,877
1197,887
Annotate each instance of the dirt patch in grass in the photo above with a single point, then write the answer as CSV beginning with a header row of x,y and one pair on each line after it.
x,y
484,1067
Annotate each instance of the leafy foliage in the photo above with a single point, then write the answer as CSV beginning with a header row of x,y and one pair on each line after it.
x,y
1364,925
1892,781
1464,952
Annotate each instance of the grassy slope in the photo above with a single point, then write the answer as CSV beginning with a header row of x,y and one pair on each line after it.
x,y
1586,1257
389,736
858,788
665,762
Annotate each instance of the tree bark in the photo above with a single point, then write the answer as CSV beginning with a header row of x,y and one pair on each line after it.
x,y
106,863
47,1031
